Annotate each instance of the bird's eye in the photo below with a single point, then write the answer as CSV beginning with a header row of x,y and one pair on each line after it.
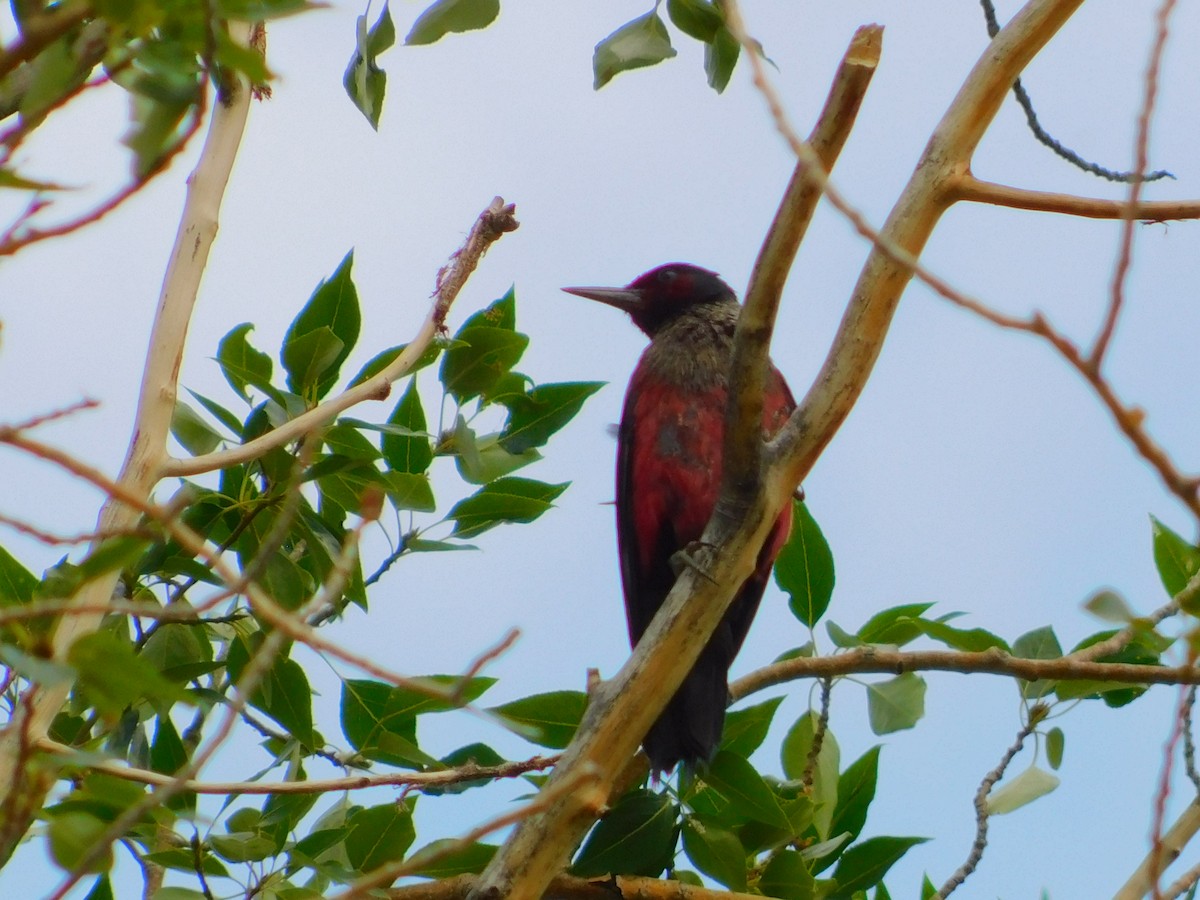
x,y
666,276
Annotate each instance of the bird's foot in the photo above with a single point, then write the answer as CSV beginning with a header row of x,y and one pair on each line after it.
x,y
686,559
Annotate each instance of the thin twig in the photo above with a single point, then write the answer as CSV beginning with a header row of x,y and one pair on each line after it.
x,y
1182,884
981,813
417,780
55,414
873,659
1189,743
1141,156
814,752
1044,137
1163,794
491,654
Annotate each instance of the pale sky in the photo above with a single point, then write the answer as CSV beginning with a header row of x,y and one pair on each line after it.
x,y
977,471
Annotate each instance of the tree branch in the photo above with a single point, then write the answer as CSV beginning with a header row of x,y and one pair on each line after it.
x,y
909,225
622,710
418,780
1162,855
976,190
871,659
1141,161
495,221
155,406
963,872
616,887
743,438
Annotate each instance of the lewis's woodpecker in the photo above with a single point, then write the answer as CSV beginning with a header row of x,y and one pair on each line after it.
x,y
668,477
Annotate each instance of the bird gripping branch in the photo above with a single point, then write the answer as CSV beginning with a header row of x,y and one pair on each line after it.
x,y
669,477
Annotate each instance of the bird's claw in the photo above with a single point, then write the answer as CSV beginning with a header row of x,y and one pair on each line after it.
x,y
685,559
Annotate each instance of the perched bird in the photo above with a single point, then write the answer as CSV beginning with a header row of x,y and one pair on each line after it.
x,y
669,452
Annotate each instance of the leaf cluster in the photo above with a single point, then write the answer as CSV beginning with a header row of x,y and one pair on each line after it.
x,y
143,687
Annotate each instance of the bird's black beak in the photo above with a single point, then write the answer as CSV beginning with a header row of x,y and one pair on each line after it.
x,y
631,301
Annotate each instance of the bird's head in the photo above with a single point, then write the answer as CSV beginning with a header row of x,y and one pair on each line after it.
x,y
661,294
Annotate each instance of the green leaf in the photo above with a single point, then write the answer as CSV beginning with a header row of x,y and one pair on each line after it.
x,y
16,582
483,460
179,652
242,365
253,10
168,756
184,860
447,859
242,846
452,16
366,718
856,790
379,835
283,694
309,357
364,81
346,440
194,434
797,745
720,58
406,490
1041,643
896,704
715,852
636,837
787,876
535,416
865,864
745,789
101,889
72,836
444,693
804,568
894,625
972,640
1055,743
485,354
154,128
1110,606
410,453
52,74
218,412
509,499
547,719
641,42
112,677
746,729
1177,560
1145,649
323,334
1024,789
45,672
698,19
478,754
500,313
841,637
385,358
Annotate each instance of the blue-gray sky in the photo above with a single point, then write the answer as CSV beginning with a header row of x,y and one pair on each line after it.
x,y
977,471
